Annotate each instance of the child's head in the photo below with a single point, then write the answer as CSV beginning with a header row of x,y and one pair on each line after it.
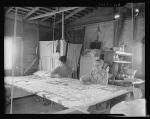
x,y
98,64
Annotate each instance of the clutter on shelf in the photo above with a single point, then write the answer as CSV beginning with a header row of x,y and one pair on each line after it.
x,y
91,52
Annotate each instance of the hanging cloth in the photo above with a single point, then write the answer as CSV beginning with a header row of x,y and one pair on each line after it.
x,y
73,54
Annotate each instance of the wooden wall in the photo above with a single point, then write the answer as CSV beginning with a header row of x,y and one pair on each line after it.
x,y
30,38
103,14
106,14
45,33
29,34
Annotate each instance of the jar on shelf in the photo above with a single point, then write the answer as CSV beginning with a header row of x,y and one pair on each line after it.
x,y
116,57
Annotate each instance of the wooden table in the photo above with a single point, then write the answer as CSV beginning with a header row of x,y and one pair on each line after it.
x,y
70,93
130,108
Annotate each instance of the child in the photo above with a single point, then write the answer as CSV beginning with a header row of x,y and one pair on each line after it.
x,y
98,75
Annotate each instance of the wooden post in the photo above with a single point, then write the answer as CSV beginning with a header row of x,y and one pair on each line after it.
x,y
62,25
22,48
72,36
132,36
53,33
22,57
13,58
37,50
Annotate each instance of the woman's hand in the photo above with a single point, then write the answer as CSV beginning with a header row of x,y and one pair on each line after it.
x,y
57,76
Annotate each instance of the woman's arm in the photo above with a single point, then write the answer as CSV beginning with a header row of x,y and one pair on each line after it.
x,y
86,79
106,75
55,73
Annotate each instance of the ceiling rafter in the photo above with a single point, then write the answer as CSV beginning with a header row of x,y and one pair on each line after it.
x,y
8,10
85,17
46,9
43,19
52,13
21,8
31,12
71,14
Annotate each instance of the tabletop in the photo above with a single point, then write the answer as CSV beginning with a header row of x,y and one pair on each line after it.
x,y
69,92
130,108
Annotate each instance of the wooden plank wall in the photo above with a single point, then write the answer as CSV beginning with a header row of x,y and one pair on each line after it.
x,y
28,33
45,33
30,44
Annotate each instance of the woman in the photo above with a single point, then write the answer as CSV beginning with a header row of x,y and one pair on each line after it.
x,y
63,70
98,75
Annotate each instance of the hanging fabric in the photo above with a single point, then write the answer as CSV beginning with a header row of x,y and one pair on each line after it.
x,y
73,57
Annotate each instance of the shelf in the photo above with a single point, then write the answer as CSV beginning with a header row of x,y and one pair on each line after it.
x,y
123,53
122,62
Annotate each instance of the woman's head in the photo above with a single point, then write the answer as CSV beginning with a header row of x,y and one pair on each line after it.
x,y
63,59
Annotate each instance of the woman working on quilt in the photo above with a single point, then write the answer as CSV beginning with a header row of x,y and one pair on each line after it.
x,y
62,71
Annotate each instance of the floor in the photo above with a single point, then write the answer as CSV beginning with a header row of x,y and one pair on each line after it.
x,y
29,105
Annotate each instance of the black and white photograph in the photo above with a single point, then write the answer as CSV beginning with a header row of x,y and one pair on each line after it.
x,y
75,60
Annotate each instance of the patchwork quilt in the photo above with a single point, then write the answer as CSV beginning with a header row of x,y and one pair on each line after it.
x,y
66,91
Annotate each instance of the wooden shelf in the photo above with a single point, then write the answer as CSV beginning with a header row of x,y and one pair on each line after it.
x,y
122,62
123,53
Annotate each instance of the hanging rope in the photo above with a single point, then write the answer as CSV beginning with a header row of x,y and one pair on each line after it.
x,y
13,59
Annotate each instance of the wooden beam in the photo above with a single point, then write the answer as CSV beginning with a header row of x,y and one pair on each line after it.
x,y
67,111
20,18
71,14
31,12
8,10
30,66
52,13
42,20
22,48
62,25
84,17
37,47
48,16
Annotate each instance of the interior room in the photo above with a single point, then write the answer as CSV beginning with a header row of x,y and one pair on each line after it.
x,y
75,60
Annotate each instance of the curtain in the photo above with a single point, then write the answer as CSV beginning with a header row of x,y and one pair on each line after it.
x,y
73,54
49,63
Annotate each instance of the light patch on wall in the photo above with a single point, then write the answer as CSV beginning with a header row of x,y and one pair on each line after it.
x,y
8,46
138,58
